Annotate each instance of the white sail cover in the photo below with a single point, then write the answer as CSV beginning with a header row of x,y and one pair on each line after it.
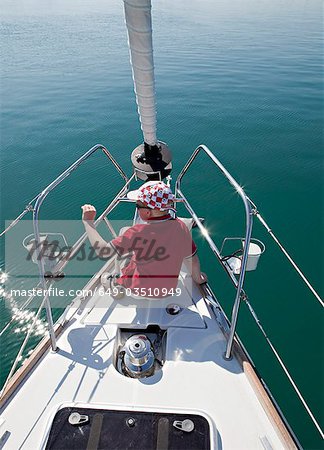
x,y
139,27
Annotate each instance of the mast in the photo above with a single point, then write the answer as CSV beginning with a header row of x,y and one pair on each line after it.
x,y
152,158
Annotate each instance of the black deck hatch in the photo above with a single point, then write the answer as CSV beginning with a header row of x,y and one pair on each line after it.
x,y
122,430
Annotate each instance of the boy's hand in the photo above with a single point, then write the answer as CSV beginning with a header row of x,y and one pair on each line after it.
x,y
88,213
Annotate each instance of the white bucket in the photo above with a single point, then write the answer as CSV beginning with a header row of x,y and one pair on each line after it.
x,y
31,247
254,254
50,260
235,264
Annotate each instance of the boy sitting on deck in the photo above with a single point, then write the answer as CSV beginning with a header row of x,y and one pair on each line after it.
x,y
157,247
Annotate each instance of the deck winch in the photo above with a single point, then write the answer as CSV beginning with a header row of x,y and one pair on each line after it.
x,y
138,358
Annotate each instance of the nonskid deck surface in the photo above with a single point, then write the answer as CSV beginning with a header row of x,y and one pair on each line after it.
x,y
195,378
141,312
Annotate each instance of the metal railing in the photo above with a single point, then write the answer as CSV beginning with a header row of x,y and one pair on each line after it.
x,y
248,232
43,284
250,211
39,201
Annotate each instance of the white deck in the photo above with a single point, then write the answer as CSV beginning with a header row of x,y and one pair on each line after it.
x,y
195,377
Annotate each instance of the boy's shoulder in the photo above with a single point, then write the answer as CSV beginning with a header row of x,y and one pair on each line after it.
x,y
176,223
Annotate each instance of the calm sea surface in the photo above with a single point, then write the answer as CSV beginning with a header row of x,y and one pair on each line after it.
x,y
245,77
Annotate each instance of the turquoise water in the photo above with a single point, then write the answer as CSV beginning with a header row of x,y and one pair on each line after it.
x,y
243,77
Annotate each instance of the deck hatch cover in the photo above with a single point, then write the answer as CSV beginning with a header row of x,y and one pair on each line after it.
x,y
116,433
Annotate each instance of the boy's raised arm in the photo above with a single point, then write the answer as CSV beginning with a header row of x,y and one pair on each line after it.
x,y
102,248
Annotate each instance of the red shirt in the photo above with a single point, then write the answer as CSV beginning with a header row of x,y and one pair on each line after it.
x,y
157,249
